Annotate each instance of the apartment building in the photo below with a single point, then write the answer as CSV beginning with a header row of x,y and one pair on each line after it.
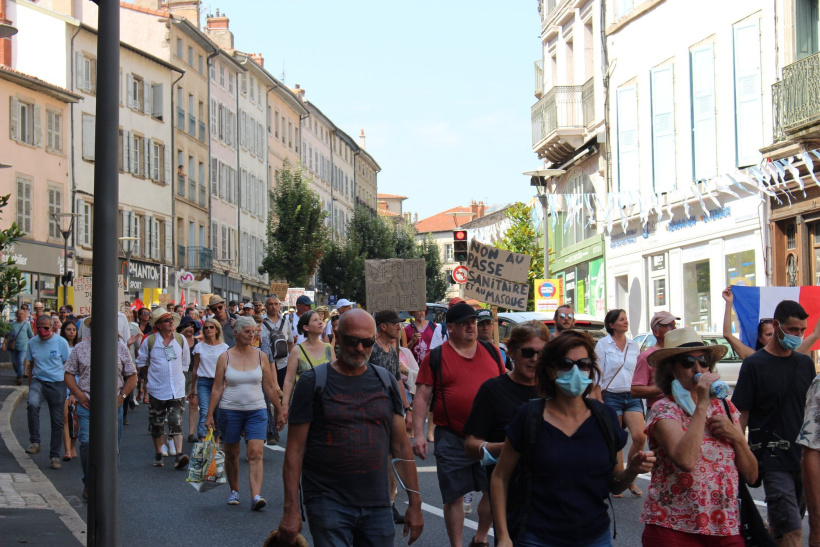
x,y
317,134
366,172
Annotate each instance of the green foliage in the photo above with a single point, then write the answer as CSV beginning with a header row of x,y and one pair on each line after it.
x,y
374,235
522,237
436,279
296,230
406,246
11,279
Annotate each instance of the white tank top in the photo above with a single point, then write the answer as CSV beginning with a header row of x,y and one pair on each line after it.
x,y
243,388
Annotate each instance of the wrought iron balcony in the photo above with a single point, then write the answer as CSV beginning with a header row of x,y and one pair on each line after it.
x,y
539,79
195,258
560,119
796,98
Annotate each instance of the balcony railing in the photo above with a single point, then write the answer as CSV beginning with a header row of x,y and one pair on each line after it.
x,y
191,125
796,98
588,101
539,78
195,258
563,107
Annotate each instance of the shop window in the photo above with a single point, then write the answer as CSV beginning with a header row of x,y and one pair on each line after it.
x,y
659,292
697,283
791,236
740,268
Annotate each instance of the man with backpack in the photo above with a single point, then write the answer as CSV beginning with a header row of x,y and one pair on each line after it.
x,y
451,375
440,333
276,341
345,418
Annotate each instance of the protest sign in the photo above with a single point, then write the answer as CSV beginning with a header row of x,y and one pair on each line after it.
x,y
395,283
497,277
292,294
83,289
279,289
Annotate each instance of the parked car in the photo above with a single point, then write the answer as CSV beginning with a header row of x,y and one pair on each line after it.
x,y
728,367
583,322
435,313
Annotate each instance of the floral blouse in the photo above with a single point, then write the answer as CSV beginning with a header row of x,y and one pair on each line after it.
x,y
810,432
703,501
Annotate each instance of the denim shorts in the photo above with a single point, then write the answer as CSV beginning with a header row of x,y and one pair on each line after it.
x,y
253,422
622,402
333,523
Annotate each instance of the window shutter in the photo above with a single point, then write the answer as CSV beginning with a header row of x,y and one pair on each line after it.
x,y
38,125
167,157
135,154
91,76
156,157
169,243
155,239
704,123
224,252
88,137
628,167
147,95
214,177
135,232
147,158
149,237
14,119
128,152
157,101
214,238
748,93
129,89
79,222
213,118
663,129
79,70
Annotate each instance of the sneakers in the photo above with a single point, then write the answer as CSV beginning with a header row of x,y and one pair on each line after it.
x,y
398,518
233,499
55,463
181,461
172,451
164,450
33,448
258,502
192,439
158,459
468,503
85,493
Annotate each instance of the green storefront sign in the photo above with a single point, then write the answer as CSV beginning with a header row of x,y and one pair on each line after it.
x,y
580,252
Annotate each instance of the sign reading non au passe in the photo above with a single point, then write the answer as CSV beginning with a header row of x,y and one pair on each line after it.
x,y
497,277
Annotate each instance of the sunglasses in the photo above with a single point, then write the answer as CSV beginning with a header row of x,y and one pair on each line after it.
x,y
688,361
166,320
43,329
217,308
563,315
209,328
529,353
583,364
353,341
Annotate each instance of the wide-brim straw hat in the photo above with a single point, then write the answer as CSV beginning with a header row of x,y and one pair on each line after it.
x,y
161,313
215,299
683,341
273,541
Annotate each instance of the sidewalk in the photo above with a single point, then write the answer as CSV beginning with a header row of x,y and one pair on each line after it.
x,y
32,511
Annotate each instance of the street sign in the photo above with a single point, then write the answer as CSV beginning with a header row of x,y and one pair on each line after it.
x,y
548,294
460,274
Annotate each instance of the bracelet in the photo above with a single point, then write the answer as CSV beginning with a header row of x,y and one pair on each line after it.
x,y
408,409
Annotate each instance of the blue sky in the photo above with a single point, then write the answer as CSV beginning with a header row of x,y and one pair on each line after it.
x,y
443,89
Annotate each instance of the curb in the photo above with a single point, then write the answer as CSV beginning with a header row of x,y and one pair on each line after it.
x,y
55,500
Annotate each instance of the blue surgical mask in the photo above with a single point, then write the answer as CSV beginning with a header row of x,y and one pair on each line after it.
x,y
573,382
683,397
789,341
487,459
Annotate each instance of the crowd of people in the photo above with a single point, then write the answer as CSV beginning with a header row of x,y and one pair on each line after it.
x,y
529,433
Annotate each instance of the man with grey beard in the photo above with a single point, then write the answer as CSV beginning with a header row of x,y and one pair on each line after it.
x,y
344,480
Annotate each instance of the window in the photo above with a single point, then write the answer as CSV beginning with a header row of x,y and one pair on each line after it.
x,y
191,116
212,72
230,84
179,48
190,56
136,156
807,21
740,268
191,179
577,231
623,7
180,111
24,122
276,117
89,124
85,71
663,129
24,204
157,102
791,236
222,76
157,161
628,157
659,291
448,252
200,64
290,135
83,223
748,93
202,191
697,284
137,93
704,121
54,131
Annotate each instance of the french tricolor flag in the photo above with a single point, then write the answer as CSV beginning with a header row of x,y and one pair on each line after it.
x,y
755,303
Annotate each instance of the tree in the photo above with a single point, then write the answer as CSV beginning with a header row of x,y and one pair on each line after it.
x,y
521,237
375,237
11,279
436,280
296,230
342,270
406,246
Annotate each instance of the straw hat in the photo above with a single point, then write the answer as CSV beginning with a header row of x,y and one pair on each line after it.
x,y
215,299
683,341
162,313
273,541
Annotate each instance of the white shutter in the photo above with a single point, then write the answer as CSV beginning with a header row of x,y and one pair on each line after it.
x,y
38,125
14,119
146,98
156,156
663,129
128,152
213,118
169,243
79,222
156,239
135,232
149,237
167,158
147,157
129,90
214,177
135,154
704,122
215,238
157,101
88,137
628,160
79,70
126,223
748,93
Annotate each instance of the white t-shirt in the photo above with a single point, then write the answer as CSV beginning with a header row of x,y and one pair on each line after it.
x,y
208,356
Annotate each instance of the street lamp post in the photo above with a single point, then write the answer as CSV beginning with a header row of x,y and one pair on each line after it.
x,y
127,246
60,220
538,178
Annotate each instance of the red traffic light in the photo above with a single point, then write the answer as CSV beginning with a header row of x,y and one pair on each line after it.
x,y
460,235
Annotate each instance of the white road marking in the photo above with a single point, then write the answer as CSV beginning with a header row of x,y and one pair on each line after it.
x,y
439,513
275,447
431,469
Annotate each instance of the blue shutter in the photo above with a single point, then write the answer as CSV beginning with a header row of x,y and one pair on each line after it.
x,y
704,124
748,93
628,166
663,129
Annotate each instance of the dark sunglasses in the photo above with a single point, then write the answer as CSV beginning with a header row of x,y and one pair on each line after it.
x,y
688,361
353,341
217,307
563,315
583,364
209,327
529,353
44,329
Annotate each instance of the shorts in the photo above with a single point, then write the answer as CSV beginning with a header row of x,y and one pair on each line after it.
x,y
457,474
156,416
660,535
187,375
253,422
622,402
785,502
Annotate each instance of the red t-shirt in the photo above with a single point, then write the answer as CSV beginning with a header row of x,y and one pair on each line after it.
x,y
460,379
645,376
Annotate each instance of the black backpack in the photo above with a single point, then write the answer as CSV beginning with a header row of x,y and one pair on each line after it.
x,y
278,341
519,492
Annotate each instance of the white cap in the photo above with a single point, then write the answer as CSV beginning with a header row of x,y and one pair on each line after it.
x,y
342,302
248,305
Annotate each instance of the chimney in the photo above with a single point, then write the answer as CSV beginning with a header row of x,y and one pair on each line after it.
x,y
217,28
297,89
362,140
5,43
382,205
257,58
477,209
188,9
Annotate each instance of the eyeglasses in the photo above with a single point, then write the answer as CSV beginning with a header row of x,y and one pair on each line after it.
x,y
353,341
166,320
563,315
582,364
529,353
688,361
209,328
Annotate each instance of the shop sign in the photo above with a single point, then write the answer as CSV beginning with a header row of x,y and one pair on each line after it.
x,y
143,275
574,257
548,294
35,257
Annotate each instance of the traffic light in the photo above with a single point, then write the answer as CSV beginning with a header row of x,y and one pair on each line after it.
x,y
460,245
66,278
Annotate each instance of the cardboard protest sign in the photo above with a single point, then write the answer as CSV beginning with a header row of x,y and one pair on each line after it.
x,y
279,289
292,294
497,277
83,289
395,283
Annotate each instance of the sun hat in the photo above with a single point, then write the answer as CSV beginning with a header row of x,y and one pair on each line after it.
x,y
215,299
188,320
161,313
683,341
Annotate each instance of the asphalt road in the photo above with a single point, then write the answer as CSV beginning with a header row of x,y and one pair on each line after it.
x,y
157,507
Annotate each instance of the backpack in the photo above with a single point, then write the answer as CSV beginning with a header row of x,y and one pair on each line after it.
x,y
152,341
519,499
435,368
278,341
321,380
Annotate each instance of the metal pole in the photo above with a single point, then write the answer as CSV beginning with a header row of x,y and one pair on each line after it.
x,y
102,468
543,199
65,267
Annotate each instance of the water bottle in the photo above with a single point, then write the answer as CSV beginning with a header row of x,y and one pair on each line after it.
x,y
719,388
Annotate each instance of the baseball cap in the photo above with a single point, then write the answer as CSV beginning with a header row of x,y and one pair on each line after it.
x,y
248,306
304,300
484,315
342,302
459,313
662,318
387,316
455,300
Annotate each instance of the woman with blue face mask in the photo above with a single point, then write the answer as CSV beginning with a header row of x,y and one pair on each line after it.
x,y
700,450
565,454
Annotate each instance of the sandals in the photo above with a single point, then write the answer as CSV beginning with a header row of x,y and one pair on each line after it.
x,y
475,543
635,491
